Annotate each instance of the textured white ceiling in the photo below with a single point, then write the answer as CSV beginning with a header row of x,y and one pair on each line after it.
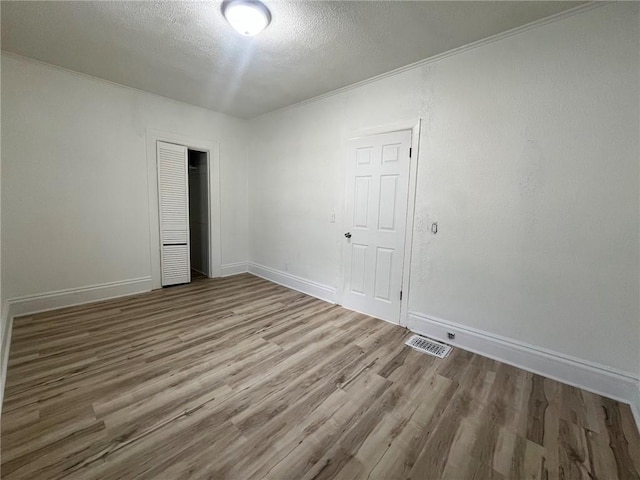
x,y
187,51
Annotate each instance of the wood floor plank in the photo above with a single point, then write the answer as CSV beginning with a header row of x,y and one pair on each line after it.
x,y
238,378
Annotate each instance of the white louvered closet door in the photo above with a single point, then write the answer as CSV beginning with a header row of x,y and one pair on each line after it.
x,y
173,189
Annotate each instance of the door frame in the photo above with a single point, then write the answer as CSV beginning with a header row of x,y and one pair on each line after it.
x,y
414,126
212,150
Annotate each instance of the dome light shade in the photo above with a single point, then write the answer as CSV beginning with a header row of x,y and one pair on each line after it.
x,y
248,17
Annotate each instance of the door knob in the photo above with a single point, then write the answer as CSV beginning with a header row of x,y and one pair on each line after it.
x,y
348,234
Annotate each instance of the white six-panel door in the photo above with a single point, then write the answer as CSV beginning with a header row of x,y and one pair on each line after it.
x,y
376,216
173,190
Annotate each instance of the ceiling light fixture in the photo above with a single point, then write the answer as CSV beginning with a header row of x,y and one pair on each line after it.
x,y
249,17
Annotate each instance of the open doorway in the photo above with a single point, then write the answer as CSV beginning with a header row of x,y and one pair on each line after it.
x,y
168,173
198,214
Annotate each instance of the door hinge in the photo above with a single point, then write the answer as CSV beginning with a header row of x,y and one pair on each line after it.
x,y
400,294
410,152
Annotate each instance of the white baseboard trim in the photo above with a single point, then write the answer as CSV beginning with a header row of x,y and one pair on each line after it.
x,y
233,269
635,407
315,289
7,323
600,379
77,296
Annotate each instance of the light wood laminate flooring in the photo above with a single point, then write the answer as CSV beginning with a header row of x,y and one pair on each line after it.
x,y
239,378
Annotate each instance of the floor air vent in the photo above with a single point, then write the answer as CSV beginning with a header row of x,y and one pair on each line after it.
x,y
429,346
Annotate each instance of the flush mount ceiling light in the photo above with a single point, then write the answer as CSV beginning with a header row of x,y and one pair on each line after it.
x,y
249,17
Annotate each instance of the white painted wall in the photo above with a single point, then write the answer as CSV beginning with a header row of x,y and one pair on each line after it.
x,y
74,184
529,161
531,169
